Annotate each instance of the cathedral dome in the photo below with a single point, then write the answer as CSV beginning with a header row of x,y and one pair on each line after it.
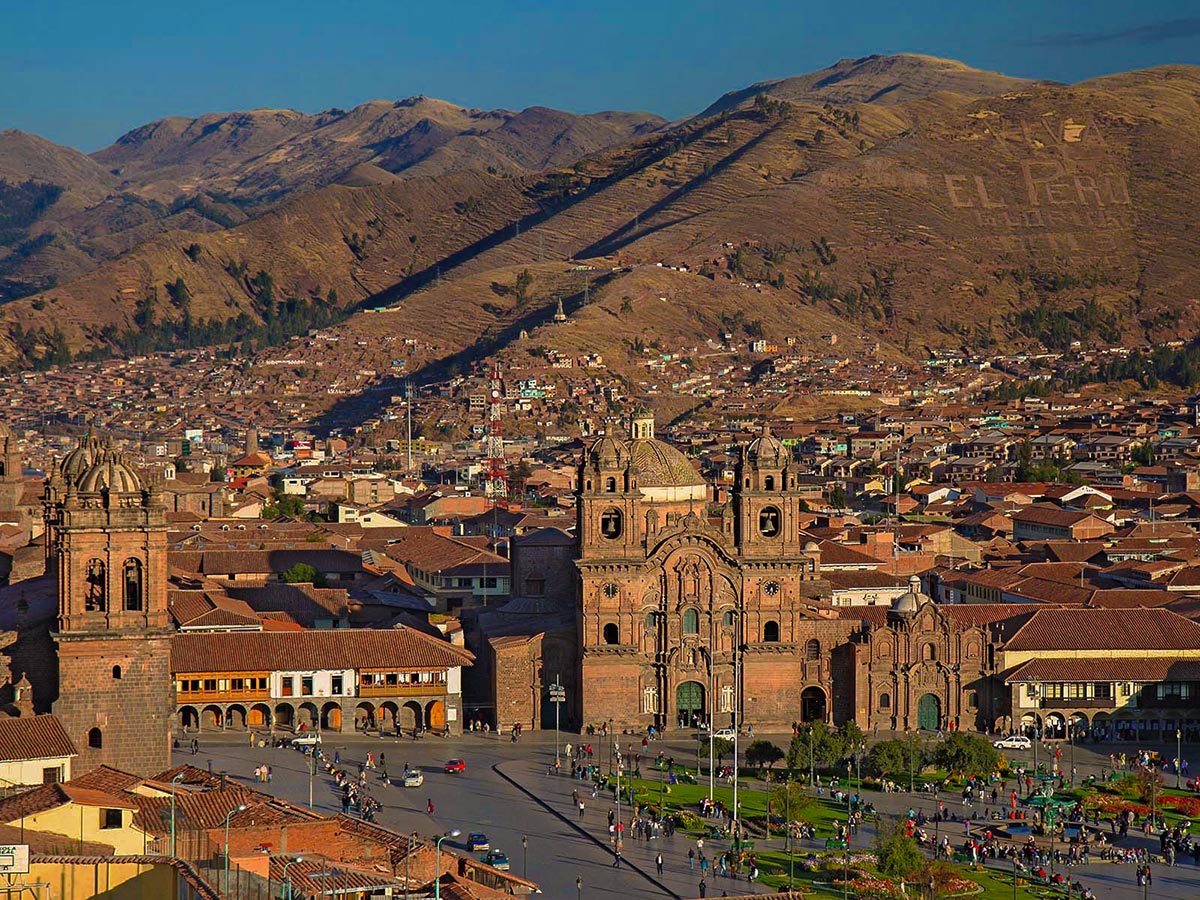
x,y
109,471
908,603
608,453
81,458
661,465
767,450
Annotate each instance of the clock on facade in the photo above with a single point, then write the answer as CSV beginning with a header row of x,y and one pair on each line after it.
x,y
611,590
771,588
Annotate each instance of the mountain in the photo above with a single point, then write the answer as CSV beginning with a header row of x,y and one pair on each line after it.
x,y
62,212
1041,214
885,80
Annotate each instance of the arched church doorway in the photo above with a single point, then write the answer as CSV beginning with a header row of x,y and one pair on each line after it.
x,y
929,712
812,705
689,704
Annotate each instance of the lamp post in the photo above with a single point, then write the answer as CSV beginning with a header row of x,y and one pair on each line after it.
x,y
237,809
578,888
1014,862
437,862
174,781
407,856
1178,755
787,827
525,856
811,780
286,880
312,766
912,762
846,875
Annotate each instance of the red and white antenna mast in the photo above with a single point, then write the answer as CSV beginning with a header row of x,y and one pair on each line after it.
x,y
496,485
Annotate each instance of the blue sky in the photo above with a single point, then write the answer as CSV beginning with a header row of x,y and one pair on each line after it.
x,y
82,72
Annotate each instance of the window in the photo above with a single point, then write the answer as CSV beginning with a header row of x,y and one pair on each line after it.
x,y
110,818
650,700
306,685
691,621
390,679
972,700
286,686
769,522
769,483
133,584
812,649
52,775
117,673
95,739
651,621
367,679
610,485
727,619
929,652
610,524
611,634
535,586
771,632
96,591
210,684
335,685
885,701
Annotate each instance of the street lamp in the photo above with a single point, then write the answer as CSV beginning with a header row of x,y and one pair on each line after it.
x,y
525,856
787,827
286,880
1178,755
1014,862
437,862
811,780
174,781
237,809
579,887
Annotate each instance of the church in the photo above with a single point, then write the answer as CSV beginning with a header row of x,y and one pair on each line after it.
x,y
693,603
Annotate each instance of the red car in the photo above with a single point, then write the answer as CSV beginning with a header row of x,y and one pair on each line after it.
x,y
455,765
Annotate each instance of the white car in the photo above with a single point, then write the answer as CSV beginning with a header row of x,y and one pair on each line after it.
x,y
727,733
416,778
1013,742
307,738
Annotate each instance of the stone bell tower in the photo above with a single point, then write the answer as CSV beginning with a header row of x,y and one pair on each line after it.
x,y
109,536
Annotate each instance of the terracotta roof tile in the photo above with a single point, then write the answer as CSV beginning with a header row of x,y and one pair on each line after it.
x,y
34,737
339,648
1106,629
1111,669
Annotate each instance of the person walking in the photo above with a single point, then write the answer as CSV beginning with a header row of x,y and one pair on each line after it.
x,y
658,863
430,806
581,809
703,888
691,860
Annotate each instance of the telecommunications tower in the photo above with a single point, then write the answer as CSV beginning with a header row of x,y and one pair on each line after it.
x,y
496,485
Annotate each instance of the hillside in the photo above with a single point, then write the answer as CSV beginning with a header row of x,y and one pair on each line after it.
x,y
884,80
1045,214
62,212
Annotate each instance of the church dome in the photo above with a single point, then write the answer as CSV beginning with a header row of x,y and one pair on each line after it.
x,y
608,453
109,471
81,458
661,465
767,450
908,603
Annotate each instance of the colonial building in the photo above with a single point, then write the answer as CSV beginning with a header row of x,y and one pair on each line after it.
x,y
693,610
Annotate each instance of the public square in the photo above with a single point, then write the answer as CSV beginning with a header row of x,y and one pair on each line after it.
x,y
509,792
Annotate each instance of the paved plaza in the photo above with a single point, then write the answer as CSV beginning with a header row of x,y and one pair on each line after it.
x,y
509,792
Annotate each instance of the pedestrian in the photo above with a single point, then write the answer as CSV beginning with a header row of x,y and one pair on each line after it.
x,y
617,856
581,809
691,860
658,863
430,806
703,888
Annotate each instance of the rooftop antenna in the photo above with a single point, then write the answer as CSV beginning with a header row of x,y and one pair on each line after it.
x,y
409,397
496,485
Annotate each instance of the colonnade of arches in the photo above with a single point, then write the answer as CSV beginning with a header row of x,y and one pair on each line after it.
x,y
328,716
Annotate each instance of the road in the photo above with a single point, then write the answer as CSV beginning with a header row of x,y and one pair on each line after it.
x,y
508,793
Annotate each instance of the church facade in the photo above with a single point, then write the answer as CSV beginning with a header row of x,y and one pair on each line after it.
x,y
691,610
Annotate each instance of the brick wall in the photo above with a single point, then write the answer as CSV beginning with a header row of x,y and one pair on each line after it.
x,y
133,712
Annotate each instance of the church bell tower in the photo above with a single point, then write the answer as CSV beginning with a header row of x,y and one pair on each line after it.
x,y
109,535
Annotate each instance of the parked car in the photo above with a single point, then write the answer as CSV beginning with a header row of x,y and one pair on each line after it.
x,y
477,840
455,765
307,739
414,778
497,860
1013,742
727,733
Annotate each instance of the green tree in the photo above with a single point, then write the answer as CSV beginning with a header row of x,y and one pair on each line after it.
x,y
791,800
961,752
837,497
303,573
899,855
763,753
721,747
284,505
827,747
887,758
